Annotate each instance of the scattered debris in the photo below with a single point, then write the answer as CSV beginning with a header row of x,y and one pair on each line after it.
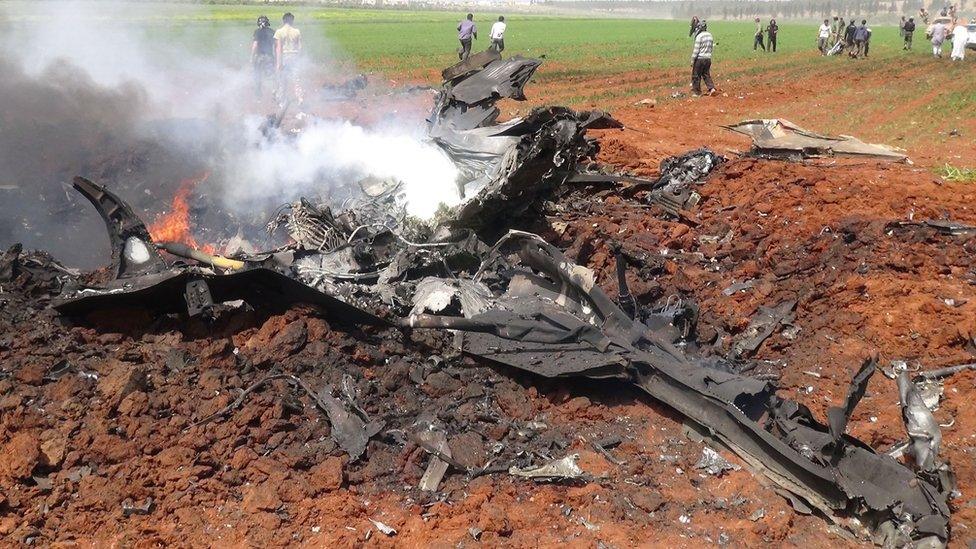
x,y
383,528
777,138
763,324
923,429
560,469
713,463
129,508
758,514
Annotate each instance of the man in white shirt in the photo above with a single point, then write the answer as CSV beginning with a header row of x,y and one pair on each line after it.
x,y
497,34
823,37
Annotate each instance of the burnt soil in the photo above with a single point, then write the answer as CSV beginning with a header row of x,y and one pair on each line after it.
x,y
98,415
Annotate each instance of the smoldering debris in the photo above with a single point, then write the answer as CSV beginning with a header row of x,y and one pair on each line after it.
x,y
520,302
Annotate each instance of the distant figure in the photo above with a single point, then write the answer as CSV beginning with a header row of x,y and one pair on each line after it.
x,y
909,33
695,21
771,31
701,60
867,39
849,36
839,32
901,27
860,39
923,16
960,37
939,31
497,34
466,32
758,39
288,49
262,53
823,37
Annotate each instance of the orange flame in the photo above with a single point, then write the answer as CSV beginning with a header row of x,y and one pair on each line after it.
x,y
174,226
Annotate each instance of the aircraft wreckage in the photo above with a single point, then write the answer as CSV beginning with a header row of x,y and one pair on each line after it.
x,y
522,303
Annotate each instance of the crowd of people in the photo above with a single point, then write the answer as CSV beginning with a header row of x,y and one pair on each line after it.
x,y
276,52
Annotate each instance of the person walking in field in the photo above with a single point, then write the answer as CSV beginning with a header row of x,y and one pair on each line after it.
x,y
939,32
288,49
757,41
771,31
909,33
860,39
823,37
960,37
467,31
262,53
701,60
497,34
901,27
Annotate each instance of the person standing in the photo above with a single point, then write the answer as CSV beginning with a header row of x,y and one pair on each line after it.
x,y
849,37
938,37
757,41
701,60
909,33
771,31
262,53
901,27
497,34
860,39
960,37
467,31
867,40
288,49
823,37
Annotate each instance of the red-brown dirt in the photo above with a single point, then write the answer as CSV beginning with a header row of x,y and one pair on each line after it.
x,y
94,414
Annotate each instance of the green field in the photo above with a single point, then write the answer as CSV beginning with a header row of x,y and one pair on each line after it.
x,y
415,42
590,63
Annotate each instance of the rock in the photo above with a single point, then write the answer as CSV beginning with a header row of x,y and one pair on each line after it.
x,y
20,456
327,476
647,500
53,447
440,384
260,497
468,449
514,402
576,405
122,380
31,374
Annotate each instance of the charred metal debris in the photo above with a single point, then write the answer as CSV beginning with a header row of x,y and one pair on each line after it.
x,y
522,303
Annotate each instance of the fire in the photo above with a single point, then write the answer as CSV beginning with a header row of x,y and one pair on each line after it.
x,y
174,226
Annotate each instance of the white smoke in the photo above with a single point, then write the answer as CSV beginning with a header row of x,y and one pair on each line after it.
x,y
337,151
206,98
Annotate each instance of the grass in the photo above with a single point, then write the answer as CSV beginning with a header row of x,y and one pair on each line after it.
x,y
949,172
419,42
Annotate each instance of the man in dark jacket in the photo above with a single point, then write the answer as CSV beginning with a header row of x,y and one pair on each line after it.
x,y
771,31
909,31
861,35
849,37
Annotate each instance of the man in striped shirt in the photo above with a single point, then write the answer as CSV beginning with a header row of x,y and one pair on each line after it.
x,y
701,61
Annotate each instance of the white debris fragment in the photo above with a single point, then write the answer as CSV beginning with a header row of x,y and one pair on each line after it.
x,y
565,468
713,463
684,519
383,528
